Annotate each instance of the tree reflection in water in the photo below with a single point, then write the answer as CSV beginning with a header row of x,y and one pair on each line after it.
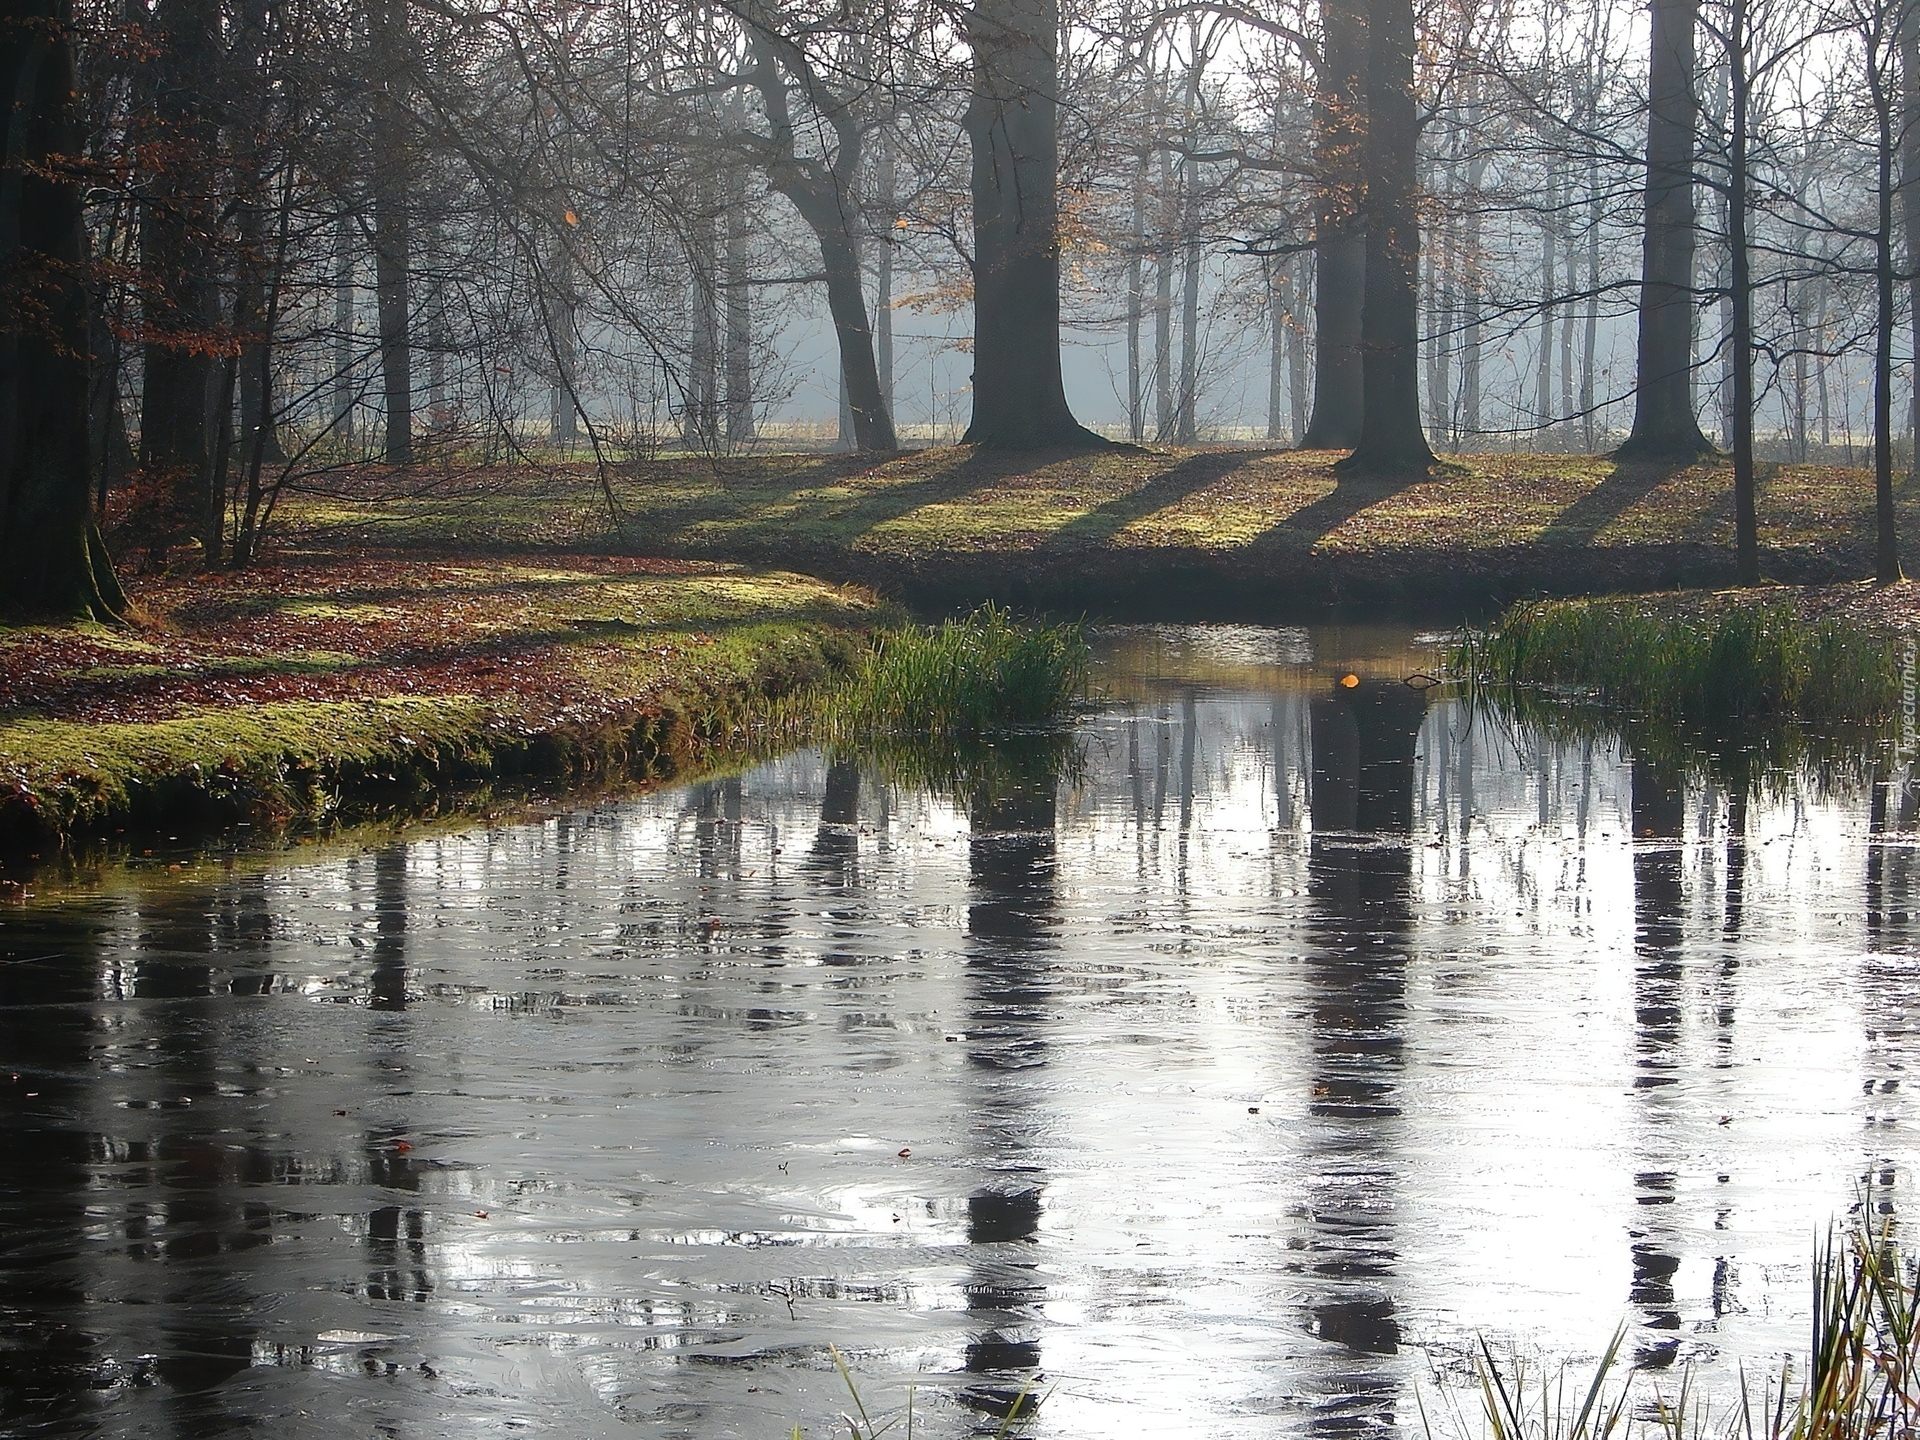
x,y
1012,922
1360,923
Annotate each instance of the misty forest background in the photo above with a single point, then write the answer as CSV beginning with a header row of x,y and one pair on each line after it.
x,y
319,233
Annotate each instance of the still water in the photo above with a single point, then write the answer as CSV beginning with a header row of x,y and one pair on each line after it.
x,y
1227,1086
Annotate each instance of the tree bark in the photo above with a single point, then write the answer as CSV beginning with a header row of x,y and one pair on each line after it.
x,y
739,338
822,190
1275,268
1664,424
1886,537
51,560
1391,440
1746,530
392,226
1909,203
1340,244
859,372
1136,415
175,239
1019,397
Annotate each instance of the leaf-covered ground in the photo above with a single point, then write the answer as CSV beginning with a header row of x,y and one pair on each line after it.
x,y
395,666
955,499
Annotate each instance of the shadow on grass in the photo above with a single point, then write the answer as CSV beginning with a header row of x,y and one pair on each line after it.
x,y
1318,519
1629,483
1190,476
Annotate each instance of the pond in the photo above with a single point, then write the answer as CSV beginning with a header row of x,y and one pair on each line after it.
x,y
1231,1083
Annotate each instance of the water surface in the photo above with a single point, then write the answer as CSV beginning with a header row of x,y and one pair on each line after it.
x,y
1226,1086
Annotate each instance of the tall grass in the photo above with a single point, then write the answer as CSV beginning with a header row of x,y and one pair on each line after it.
x,y
963,679
1694,665
1860,1378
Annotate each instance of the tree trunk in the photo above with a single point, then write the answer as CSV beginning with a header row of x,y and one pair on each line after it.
x,y
1740,414
1019,397
1297,350
1276,274
1549,274
1910,200
739,339
563,336
343,333
1664,424
1186,431
883,281
392,228
176,233
1340,248
1886,537
859,374
51,560
1470,288
1590,341
1163,308
1136,414
1391,440
700,424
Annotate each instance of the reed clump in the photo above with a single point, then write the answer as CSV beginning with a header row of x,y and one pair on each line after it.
x,y
963,679
1692,664
1860,1379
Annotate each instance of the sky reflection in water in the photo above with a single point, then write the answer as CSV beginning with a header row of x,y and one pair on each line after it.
x,y
1239,1083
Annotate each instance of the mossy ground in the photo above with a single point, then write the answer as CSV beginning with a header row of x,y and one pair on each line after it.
x,y
1095,526
322,686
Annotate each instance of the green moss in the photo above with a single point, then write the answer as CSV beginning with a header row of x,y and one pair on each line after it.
x,y
662,673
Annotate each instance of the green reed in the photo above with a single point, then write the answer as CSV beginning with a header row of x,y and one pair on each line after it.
x,y
1704,662
1860,1379
964,678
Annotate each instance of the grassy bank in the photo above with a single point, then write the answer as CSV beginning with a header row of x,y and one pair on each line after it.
x,y
327,688
1826,655
1161,532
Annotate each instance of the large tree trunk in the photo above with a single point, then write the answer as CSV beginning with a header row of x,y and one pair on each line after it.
x,y
181,307
51,560
1739,426
1019,398
1136,414
1340,244
1664,425
1391,440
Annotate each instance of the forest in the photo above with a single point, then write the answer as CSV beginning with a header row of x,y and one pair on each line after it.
x,y
251,247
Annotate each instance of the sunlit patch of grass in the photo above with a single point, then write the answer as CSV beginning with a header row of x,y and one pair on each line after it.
x,y
952,500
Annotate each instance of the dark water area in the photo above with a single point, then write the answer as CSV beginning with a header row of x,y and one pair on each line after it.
x,y
1229,1085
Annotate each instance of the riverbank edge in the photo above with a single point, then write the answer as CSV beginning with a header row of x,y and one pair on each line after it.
x,y
1828,654
305,763
1173,585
